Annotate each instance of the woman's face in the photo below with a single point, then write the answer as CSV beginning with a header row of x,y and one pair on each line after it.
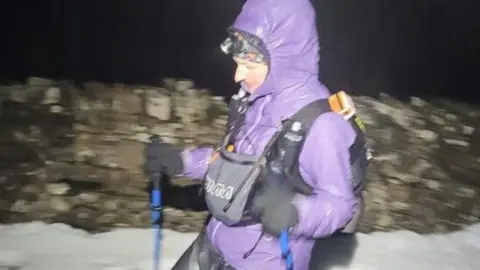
x,y
250,74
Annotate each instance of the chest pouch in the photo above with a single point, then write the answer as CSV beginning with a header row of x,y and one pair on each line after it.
x,y
231,182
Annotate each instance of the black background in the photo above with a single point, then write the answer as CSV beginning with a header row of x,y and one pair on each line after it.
x,y
423,47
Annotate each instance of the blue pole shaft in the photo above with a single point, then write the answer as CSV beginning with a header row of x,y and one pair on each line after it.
x,y
284,245
156,214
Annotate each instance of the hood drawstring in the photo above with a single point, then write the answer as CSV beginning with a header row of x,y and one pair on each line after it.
x,y
250,251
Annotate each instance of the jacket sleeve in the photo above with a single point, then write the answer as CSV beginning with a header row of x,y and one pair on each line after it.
x,y
324,164
195,162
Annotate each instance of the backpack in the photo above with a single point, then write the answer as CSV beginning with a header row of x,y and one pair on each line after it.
x,y
283,150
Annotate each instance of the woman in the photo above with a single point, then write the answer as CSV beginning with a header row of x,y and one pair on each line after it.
x,y
275,46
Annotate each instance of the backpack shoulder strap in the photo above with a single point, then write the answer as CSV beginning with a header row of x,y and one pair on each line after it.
x,y
308,114
358,150
291,142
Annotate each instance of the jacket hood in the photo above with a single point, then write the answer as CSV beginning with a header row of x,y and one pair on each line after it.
x,y
288,30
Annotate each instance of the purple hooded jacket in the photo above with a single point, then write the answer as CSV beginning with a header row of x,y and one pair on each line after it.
x,y
288,28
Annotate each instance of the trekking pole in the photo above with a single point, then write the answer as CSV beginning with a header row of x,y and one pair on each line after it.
x,y
156,211
284,245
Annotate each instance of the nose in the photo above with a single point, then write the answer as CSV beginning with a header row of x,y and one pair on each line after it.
x,y
240,74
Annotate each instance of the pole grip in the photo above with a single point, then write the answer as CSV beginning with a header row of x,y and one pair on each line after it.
x,y
156,180
156,174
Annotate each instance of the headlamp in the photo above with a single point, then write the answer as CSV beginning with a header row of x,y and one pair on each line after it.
x,y
245,46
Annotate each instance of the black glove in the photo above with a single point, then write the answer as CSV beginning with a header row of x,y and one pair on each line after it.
x,y
276,210
160,155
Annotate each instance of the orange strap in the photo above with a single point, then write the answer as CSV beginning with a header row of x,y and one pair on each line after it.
x,y
342,104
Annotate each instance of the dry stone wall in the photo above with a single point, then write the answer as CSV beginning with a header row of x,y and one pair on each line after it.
x,y
74,154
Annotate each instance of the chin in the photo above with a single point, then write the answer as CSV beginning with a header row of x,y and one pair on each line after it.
x,y
249,88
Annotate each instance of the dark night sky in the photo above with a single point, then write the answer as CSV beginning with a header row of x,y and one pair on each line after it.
x,y
411,47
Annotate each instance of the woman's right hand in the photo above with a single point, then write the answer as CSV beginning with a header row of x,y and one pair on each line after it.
x,y
160,155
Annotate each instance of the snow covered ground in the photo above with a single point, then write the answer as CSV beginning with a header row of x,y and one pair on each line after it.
x,y
38,246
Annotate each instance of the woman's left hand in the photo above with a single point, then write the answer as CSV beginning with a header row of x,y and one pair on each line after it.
x,y
276,210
